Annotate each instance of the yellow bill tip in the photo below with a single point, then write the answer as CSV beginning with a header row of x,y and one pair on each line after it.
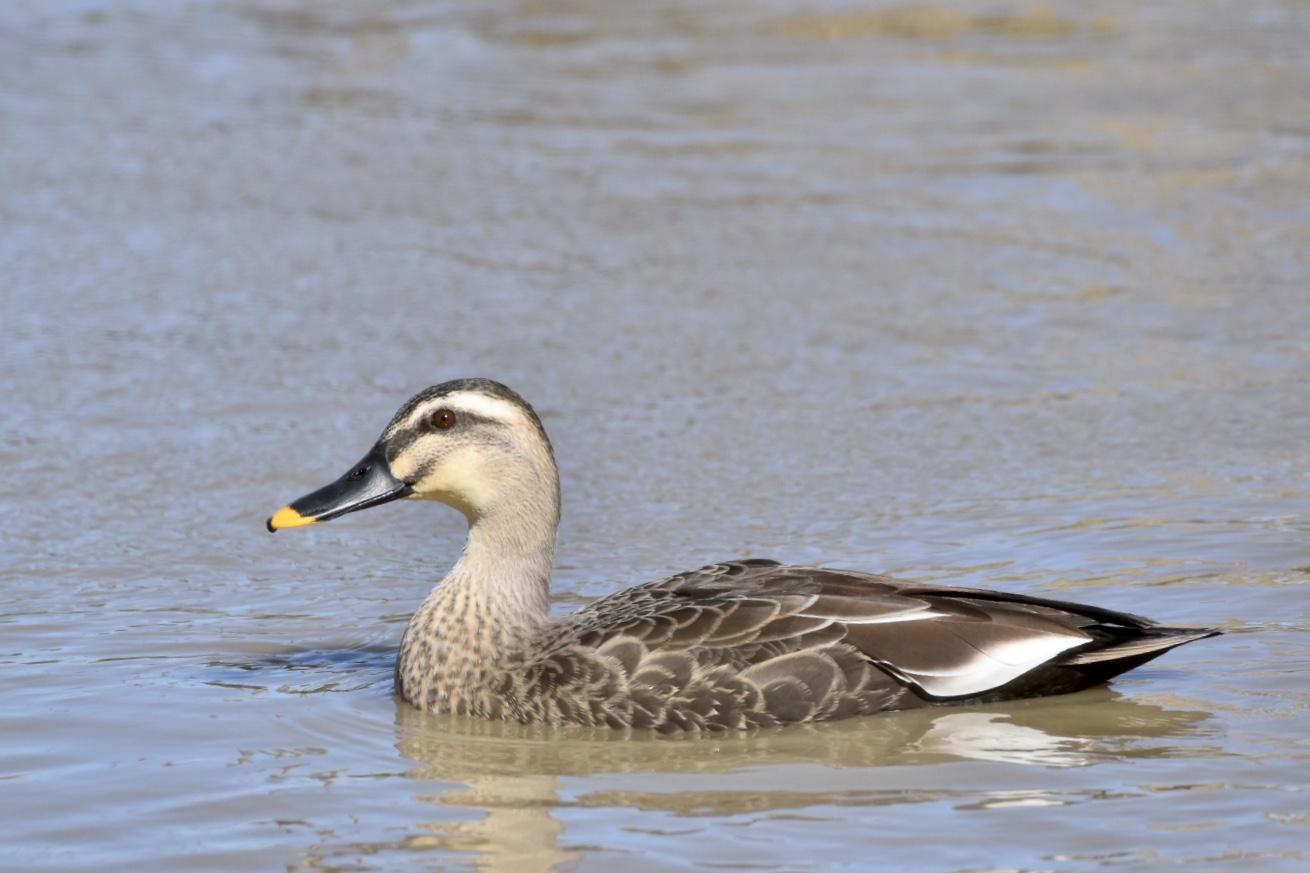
x,y
288,517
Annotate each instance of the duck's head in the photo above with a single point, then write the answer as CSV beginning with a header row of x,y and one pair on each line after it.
x,y
472,443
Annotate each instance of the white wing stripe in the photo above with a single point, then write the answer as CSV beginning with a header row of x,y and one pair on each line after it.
x,y
987,670
892,617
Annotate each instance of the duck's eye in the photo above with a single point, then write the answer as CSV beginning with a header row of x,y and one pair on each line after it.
x,y
443,419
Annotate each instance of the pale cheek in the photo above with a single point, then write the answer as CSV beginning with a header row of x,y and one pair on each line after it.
x,y
455,483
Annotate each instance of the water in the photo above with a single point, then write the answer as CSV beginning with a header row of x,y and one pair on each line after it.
x,y
1007,295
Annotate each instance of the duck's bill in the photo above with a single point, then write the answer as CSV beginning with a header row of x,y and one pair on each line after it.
x,y
368,483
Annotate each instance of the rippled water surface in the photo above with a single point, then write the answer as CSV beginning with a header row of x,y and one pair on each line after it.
x,y
1004,294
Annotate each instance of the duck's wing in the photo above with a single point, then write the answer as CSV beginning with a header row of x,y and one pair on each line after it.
x,y
940,642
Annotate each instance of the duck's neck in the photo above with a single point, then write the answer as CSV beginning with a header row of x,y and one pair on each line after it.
x,y
504,572
492,602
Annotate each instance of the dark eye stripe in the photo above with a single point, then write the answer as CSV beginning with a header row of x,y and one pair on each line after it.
x,y
400,441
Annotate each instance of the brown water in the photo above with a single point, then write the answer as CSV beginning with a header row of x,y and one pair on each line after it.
x,y
1002,294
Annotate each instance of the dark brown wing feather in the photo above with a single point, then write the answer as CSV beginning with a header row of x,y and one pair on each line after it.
x,y
755,643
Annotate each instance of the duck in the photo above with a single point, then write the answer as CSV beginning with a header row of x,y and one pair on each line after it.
x,y
733,646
